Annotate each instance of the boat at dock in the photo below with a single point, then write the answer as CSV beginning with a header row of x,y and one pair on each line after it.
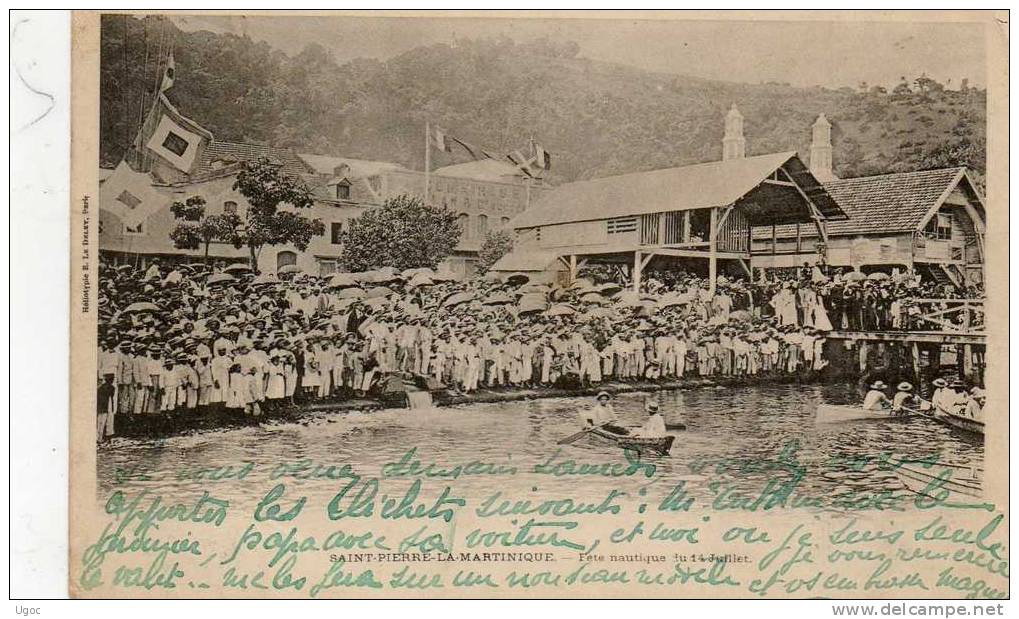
x,y
959,479
659,445
835,413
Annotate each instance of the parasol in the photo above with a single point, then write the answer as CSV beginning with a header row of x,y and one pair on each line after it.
x,y
878,276
237,267
457,299
498,298
140,307
351,293
342,280
289,268
518,279
854,276
560,309
219,278
420,279
378,292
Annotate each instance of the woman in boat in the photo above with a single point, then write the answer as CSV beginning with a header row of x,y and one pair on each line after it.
x,y
876,400
654,426
603,415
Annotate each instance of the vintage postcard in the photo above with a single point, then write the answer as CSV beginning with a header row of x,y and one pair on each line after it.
x,y
540,305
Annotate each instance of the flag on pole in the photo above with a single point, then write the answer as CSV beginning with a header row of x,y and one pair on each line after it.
x,y
172,136
542,158
168,74
441,140
475,152
130,196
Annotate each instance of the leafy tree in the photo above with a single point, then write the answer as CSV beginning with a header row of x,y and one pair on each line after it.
x,y
194,229
403,233
266,189
497,244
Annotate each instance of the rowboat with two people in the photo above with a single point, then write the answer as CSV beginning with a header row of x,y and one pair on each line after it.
x,y
876,406
601,423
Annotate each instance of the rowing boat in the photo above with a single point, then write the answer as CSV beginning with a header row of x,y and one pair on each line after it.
x,y
960,480
657,445
959,422
834,413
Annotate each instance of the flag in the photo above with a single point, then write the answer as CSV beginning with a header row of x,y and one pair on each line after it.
x,y
168,74
130,196
172,136
542,158
439,137
523,163
473,151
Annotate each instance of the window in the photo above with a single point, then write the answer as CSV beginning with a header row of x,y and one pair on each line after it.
x,y
326,266
621,225
336,232
230,207
285,258
138,230
175,144
342,191
944,231
504,221
462,221
482,225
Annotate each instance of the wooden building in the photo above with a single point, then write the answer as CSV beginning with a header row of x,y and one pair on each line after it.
x,y
932,221
700,215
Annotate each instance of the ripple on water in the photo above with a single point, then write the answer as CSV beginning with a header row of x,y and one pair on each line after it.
x,y
727,428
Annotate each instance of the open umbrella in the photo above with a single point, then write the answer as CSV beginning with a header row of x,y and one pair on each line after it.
x,y
237,267
878,276
140,307
457,299
219,278
386,275
378,292
289,268
741,316
498,298
265,279
518,279
854,276
560,309
531,305
609,288
376,302
420,279
366,277
342,280
598,312
592,298
582,283
351,293
444,275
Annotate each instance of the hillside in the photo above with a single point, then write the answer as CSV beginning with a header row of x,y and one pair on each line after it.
x,y
596,118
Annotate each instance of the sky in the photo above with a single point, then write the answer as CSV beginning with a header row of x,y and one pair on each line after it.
x,y
802,53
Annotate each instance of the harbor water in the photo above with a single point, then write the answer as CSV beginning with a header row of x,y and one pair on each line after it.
x,y
735,437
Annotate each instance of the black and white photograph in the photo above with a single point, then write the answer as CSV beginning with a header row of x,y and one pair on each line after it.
x,y
530,305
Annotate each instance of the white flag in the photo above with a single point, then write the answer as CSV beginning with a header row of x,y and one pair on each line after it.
x,y
130,196
176,139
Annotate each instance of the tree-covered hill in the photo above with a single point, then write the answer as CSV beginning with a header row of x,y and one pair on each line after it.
x,y
596,118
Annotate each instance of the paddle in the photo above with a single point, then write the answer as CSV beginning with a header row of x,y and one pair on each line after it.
x,y
575,437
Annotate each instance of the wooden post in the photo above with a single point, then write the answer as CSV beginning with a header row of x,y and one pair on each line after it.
x,y
915,349
774,241
713,253
967,361
636,272
863,356
686,227
573,268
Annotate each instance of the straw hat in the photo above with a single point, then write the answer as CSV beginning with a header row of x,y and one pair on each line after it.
x,y
879,385
603,394
904,386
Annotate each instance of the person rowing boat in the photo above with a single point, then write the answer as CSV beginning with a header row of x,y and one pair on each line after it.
x,y
603,415
654,426
904,401
876,400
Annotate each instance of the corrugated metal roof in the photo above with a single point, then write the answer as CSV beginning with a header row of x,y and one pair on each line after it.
x,y
705,185
887,203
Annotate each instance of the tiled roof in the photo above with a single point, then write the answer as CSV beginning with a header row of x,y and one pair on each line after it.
x,y
883,204
235,152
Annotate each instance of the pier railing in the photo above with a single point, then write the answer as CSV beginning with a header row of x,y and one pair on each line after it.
x,y
948,315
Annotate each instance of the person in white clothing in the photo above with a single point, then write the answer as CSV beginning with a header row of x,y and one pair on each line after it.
x,y
876,400
654,426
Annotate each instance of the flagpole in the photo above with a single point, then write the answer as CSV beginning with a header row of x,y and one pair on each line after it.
x,y
428,158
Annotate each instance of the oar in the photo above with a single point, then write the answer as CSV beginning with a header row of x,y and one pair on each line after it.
x,y
575,437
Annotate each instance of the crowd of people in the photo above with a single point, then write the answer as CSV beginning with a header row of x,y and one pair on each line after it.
x,y
188,337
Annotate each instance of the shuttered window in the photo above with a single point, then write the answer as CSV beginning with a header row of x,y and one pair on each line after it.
x,y
621,225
